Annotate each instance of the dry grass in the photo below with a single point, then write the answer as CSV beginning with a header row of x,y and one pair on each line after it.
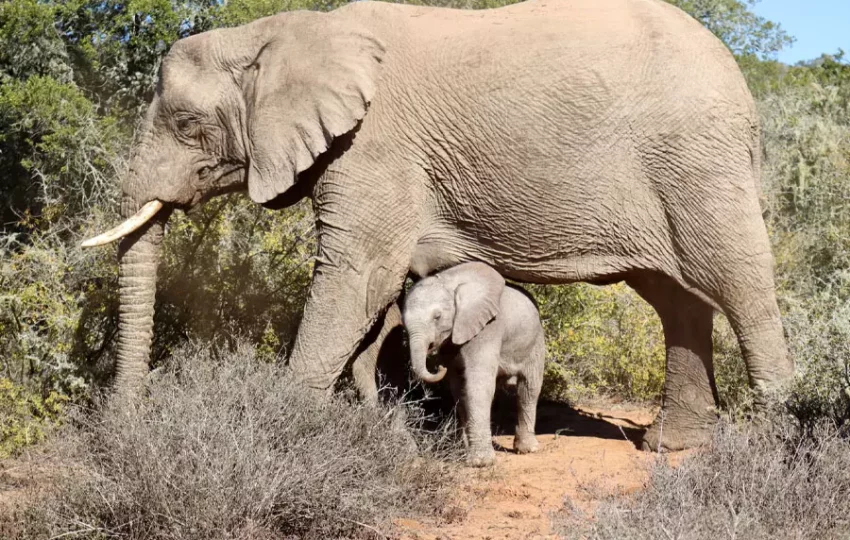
x,y
754,482
228,448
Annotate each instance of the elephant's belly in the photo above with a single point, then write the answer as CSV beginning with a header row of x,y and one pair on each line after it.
x,y
550,258
551,212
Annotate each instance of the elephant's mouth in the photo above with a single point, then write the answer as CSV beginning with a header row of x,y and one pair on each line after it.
x,y
228,178
220,179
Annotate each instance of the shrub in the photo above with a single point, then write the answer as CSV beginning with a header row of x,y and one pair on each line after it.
x,y
807,149
25,417
730,371
57,307
608,341
807,144
234,269
769,482
819,340
226,446
601,340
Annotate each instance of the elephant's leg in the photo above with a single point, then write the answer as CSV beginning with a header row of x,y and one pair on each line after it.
x,y
734,267
342,306
364,371
528,391
457,385
689,400
478,391
367,225
722,250
381,346
393,363
529,384
754,315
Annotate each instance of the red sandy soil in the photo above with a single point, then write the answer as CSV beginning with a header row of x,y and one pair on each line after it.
x,y
584,456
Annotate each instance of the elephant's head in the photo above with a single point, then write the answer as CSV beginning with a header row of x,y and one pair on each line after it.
x,y
234,109
456,303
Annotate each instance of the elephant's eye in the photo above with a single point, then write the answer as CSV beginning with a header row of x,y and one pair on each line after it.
x,y
186,125
437,315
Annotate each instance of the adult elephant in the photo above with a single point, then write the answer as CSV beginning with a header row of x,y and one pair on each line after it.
x,y
556,140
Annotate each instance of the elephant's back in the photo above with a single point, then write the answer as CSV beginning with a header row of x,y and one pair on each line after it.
x,y
621,29
606,57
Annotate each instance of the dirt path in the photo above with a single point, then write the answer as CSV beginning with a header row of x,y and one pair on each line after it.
x,y
582,457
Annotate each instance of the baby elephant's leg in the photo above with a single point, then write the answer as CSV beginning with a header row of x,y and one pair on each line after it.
x,y
456,383
479,389
529,384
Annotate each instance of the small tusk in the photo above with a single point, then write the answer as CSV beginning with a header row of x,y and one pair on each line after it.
x,y
130,225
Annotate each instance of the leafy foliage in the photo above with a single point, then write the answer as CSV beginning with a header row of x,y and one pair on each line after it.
x,y
26,417
601,340
745,33
807,148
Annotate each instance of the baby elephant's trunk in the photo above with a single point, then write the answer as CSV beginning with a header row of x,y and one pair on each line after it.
x,y
419,355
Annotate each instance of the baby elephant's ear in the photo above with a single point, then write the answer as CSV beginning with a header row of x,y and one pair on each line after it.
x,y
477,297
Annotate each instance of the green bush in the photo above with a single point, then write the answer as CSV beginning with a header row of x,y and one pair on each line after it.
x,y
807,150
234,270
25,417
600,340
56,313
607,341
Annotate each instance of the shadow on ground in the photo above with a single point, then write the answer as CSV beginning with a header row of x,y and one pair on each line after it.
x,y
556,418
553,417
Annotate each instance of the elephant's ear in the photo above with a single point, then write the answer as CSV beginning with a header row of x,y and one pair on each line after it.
x,y
478,295
312,80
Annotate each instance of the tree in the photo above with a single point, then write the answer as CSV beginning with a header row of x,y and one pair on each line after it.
x,y
744,32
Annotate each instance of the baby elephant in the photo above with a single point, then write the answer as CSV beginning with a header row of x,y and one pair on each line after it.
x,y
496,336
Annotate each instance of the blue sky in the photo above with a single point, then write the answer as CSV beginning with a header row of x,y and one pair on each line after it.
x,y
820,26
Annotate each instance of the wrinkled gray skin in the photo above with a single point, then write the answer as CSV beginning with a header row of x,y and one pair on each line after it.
x,y
382,354
618,142
495,337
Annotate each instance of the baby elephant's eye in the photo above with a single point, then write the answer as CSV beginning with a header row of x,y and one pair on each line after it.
x,y
437,315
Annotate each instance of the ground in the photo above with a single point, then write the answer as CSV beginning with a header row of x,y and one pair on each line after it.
x,y
585,455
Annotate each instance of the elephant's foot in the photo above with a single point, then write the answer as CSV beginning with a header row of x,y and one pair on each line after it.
x,y
672,435
481,458
526,444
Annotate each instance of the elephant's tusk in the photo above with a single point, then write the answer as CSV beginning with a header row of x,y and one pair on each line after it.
x,y
135,221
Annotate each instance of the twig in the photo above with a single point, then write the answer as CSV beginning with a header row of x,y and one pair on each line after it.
x,y
373,529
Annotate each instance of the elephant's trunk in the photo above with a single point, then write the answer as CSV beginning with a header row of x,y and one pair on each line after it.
x,y
418,358
138,254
